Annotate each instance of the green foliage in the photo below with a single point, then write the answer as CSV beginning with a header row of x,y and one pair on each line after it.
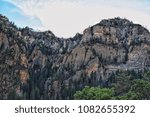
x,y
141,88
128,96
147,75
94,93
125,86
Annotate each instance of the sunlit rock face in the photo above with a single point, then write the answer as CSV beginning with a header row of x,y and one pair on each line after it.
x,y
40,65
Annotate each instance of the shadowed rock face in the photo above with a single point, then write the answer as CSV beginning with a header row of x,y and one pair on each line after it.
x,y
39,65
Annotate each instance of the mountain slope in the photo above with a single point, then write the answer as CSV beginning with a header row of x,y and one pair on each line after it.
x,y
39,65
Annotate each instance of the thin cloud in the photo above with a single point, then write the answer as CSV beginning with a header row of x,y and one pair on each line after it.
x,y
67,17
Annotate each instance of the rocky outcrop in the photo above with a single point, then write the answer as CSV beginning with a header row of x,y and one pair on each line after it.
x,y
39,65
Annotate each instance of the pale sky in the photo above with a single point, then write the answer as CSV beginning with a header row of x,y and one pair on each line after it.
x,y
67,17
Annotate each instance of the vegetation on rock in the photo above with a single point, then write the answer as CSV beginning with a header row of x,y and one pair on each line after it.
x,y
40,65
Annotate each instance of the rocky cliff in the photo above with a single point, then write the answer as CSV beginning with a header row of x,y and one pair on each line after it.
x,y
40,65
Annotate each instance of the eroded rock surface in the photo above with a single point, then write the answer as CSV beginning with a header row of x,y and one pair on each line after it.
x,y
40,65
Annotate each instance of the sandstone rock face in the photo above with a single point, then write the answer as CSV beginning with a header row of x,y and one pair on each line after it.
x,y
39,65
24,75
